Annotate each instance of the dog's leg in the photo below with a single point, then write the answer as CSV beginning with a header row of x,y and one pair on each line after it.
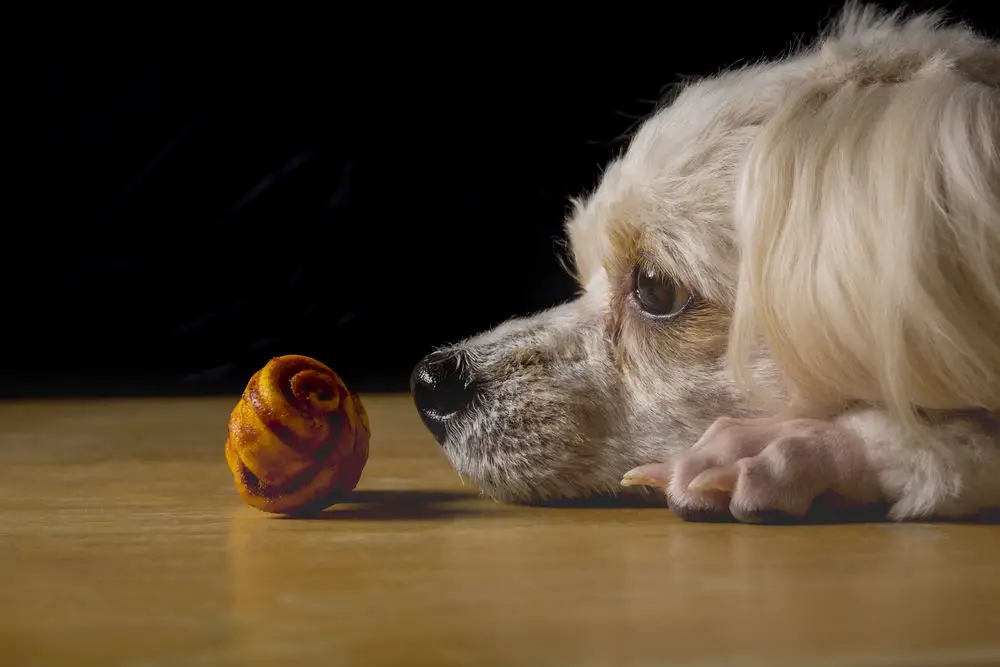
x,y
772,469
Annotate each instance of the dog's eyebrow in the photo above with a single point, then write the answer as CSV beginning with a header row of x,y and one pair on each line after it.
x,y
667,248
632,241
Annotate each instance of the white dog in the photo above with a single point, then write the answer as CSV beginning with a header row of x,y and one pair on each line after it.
x,y
790,297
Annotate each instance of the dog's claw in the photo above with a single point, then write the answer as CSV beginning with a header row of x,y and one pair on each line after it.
x,y
656,475
722,479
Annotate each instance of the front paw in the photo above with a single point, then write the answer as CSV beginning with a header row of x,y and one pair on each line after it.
x,y
764,470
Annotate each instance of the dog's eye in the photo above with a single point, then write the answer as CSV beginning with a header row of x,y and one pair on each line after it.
x,y
659,296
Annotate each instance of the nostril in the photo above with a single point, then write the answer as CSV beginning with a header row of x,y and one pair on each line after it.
x,y
441,388
438,383
432,369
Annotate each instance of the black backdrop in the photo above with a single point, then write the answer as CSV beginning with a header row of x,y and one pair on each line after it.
x,y
180,215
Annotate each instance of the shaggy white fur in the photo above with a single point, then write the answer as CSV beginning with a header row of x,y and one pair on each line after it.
x,y
790,294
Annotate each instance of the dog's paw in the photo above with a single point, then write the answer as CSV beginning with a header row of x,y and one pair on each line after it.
x,y
764,470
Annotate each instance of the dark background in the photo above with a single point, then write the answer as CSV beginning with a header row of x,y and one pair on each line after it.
x,y
180,211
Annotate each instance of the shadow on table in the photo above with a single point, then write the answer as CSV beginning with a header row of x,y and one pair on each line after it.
x,y
395,505
631,500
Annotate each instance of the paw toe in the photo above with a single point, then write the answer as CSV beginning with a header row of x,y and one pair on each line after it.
x,y
708,506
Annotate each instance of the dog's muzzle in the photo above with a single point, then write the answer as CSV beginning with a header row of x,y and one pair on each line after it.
x,y
442,390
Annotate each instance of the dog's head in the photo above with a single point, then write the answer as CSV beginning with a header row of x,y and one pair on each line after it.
x,y
561,404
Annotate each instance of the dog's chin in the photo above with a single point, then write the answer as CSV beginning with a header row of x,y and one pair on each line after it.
x,y
509,485
546,483
529,493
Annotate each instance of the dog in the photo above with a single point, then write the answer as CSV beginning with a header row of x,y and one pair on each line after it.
x,y
789,298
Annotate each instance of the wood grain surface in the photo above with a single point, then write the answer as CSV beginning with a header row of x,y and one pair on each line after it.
x,y
123,542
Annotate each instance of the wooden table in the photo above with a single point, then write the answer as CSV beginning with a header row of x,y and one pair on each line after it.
x,y
123,542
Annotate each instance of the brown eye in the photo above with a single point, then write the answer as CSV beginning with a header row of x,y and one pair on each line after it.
x,y
658,295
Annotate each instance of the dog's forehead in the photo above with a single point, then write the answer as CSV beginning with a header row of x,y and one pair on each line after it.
x,y
668,200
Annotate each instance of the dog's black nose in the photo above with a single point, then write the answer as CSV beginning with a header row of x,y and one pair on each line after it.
x,y
441,389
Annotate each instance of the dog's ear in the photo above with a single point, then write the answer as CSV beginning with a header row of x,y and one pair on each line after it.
x,y
868,218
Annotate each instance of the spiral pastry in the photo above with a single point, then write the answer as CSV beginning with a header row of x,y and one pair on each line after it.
x,y
298,438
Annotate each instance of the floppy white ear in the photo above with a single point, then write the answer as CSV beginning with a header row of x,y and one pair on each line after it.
x,y
868,217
